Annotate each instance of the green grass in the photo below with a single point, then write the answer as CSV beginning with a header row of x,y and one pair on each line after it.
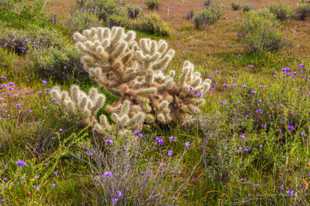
x,y
234,159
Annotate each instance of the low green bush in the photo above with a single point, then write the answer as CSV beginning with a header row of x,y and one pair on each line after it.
x,y
101,8
20,41
207,3
247,8
151,24
302,12
134,11
259,31
206,17
281,11
60,65
235,6
152,4
80,21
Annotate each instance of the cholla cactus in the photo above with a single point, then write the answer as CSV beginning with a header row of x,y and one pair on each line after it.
x,y
87,106
136,71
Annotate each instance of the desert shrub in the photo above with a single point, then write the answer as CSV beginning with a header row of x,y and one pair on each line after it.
x,y
15,44
58,64
151,24
119,20
302,11
83,20
259,31
282,12
20,41
207,3
134,11
152,4
190,15
235,6
101,8
207,17
27,20
247,8
124,175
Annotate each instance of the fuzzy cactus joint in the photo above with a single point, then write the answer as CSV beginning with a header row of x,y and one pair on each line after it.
x,y
137,72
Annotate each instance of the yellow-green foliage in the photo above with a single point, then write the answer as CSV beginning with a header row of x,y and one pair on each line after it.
x,y
259,31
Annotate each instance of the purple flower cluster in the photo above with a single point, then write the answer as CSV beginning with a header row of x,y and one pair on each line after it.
x,y
290,127
21,163
159,140
289,72
170,153
291,193
138,133
259,111
116,197
107,174
172,139
108,141
9,86
195,93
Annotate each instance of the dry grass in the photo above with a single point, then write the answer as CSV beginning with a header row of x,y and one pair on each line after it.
x,y
216,39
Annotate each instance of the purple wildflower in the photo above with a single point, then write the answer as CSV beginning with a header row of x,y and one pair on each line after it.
x,y
242,136
290,127
109,141
89,152
259,111
290,193
247,150
301,66
172,139
159,140
225,85
107,174
11,84
187,145
114,200
286,70
170,153
21,163
18,106
44,82
138,133
119,194
198,94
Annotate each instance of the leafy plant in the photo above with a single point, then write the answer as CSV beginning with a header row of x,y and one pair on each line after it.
x,y
15,44
58,64
83,20
101,8
152,24
134,11
302,12
207,17
207,3
282,12
235,6
259,31
247,8
152,4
